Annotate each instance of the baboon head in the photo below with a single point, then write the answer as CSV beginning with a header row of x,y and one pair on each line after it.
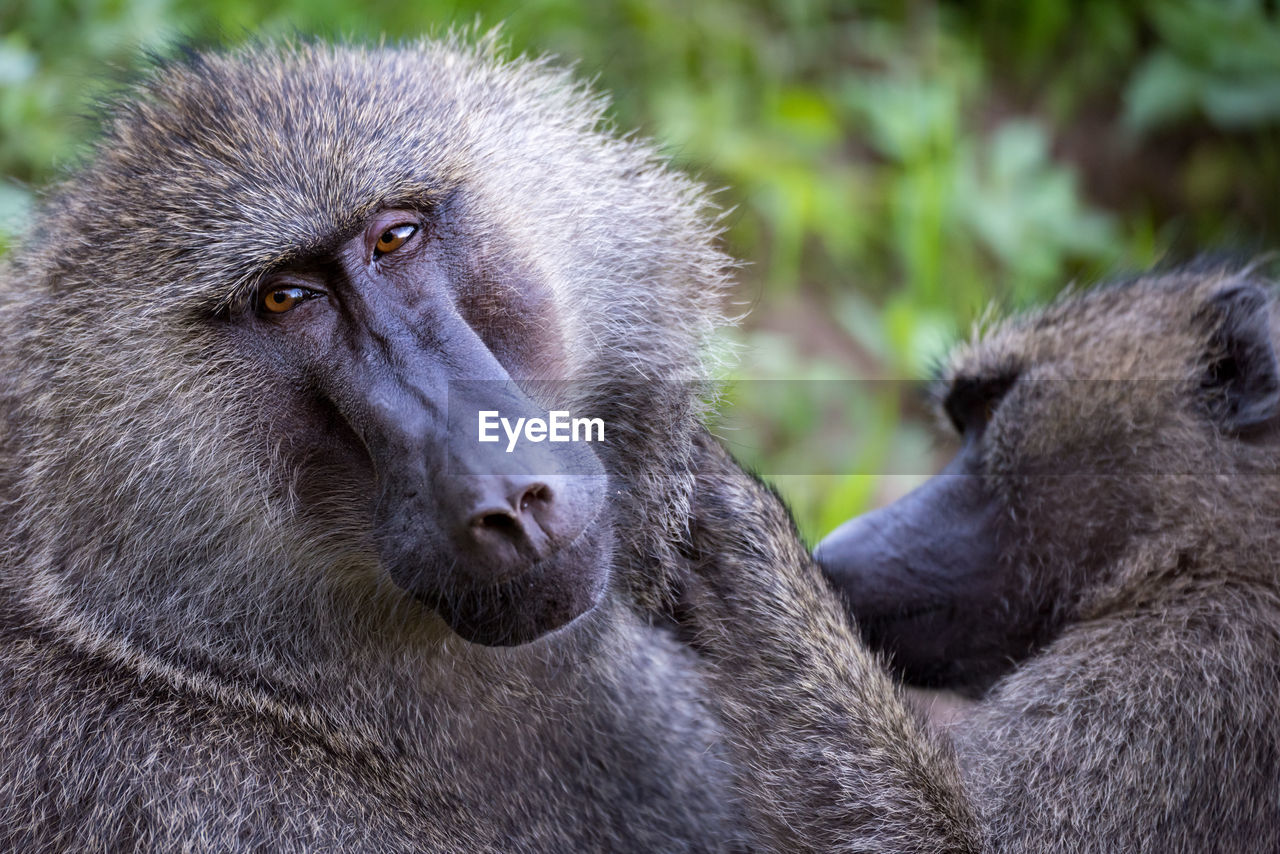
x,y
1112,423
256,330
380,336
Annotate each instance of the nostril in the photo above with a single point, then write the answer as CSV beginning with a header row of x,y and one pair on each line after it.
x,y
511,524
501,522
538,493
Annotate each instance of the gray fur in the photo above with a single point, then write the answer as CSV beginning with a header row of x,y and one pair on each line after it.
x,y
828,758
1148,723
195,656
199,653
1133,466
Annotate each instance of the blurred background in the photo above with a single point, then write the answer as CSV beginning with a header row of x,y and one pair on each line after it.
x,y
891,169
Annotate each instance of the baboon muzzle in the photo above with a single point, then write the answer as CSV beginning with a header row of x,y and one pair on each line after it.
x,y
916,573
504,546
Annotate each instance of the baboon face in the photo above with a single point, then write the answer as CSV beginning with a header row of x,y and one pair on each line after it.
x,y
382,343
270,308
1082,428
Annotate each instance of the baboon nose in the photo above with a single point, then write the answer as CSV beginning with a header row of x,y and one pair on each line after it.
x,y
512,521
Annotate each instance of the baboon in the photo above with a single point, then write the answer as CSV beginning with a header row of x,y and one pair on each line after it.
x,y
829,757
259,591
1098,568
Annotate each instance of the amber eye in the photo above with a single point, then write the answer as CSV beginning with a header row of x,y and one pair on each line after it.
x,y
284,298
393,238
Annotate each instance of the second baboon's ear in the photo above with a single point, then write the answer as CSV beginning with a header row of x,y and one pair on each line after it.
x,y
1242,379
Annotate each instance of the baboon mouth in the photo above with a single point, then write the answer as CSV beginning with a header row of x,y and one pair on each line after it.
x,y
548,596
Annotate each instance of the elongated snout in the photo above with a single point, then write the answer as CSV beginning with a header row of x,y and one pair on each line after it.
x,y
923,578
502,541
505,545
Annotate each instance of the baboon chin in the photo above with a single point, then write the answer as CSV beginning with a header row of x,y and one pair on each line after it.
x,y
547,595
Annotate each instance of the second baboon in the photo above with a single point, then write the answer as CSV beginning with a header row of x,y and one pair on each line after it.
x,y
1098,567
247,520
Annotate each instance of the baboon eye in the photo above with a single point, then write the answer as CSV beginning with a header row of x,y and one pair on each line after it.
x,y
393,238
282,298
972,401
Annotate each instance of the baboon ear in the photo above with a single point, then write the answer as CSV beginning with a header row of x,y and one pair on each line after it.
x,y
1242,380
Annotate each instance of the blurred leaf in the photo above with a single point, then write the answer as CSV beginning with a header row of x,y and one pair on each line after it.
x,y
807,116
1162,90
17,62
1220,58
1243,103
15,210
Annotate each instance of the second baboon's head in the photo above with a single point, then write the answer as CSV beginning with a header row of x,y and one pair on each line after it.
x,y
255,337
1112,423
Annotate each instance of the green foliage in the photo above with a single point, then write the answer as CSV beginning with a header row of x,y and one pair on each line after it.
x,y
1217,59
891,169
